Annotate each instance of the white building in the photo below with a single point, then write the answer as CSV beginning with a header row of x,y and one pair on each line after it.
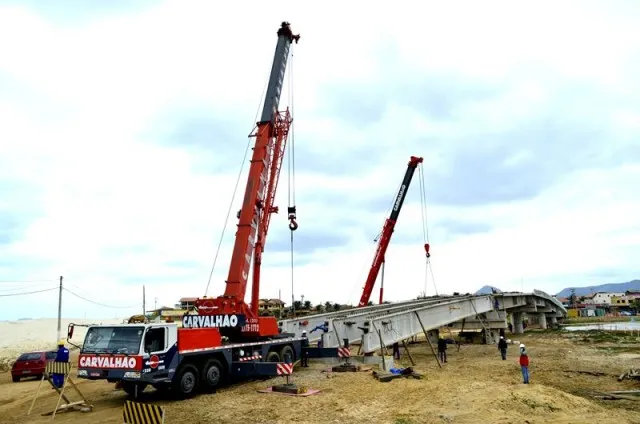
x,y
602,298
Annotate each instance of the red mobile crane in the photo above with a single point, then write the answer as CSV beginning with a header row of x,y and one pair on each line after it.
x,y
387,231
254,217
226,338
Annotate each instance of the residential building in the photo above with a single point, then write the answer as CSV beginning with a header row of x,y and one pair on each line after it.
x,y
187,303
271,305
618,301
602,298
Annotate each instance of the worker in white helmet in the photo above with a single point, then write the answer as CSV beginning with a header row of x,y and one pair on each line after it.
x,y
524,363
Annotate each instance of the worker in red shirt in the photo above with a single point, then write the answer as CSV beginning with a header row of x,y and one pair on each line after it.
x,y
524,363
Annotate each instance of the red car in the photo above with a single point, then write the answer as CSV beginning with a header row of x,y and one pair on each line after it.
x,y
31,364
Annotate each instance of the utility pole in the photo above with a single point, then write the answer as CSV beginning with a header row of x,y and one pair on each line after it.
x,y
60,310
144,316
155,303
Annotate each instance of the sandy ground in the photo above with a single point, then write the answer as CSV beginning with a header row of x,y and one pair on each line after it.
x,y
41,334
475,386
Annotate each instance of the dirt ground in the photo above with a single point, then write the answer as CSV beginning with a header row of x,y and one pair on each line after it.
x,y
475,386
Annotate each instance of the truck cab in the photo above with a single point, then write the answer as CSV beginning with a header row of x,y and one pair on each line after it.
x,y
129,354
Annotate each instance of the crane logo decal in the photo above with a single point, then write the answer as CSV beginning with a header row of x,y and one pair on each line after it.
x,y
154,361
399,198
212,321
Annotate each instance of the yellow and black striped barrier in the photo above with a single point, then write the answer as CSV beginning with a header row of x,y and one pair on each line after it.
x,y
142,413
57,368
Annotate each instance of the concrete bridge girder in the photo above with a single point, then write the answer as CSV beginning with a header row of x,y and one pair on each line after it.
x,y
403,325
352,327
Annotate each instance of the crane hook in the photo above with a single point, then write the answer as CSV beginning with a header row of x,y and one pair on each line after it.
x,y
426,249
293,223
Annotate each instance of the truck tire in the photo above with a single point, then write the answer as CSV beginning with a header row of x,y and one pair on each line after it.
x,y
186,382
213,375
272,357
15,378
287,354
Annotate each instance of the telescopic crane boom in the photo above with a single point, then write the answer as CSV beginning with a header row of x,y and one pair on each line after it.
x,y
271,137
387,231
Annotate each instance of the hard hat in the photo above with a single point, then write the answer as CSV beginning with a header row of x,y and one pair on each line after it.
x,y
61,342
521,345
304,331
501,337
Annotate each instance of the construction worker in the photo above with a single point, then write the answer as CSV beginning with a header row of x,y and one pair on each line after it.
x,y
524,363
325,329
396,350
305,354
61,356
502,347
442,348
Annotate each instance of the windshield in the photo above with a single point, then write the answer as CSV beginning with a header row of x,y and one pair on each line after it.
x,y
123,340
30,357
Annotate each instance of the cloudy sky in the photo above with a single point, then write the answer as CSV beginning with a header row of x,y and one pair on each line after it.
x,y
123,126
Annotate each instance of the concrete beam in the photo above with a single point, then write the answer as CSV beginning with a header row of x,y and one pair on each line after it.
x,y
403,325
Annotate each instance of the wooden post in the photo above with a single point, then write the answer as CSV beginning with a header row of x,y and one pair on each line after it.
x,y
384,365
461,330
406,349
428,340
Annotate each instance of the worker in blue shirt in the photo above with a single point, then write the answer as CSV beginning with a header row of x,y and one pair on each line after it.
x,y
325,329
61,356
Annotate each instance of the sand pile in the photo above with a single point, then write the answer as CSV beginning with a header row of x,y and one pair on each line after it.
x,y
17,337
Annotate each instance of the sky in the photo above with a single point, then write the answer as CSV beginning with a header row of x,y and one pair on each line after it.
x,y
123,128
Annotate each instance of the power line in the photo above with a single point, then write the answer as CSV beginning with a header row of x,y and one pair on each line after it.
x,y
98,303
30,292
26,281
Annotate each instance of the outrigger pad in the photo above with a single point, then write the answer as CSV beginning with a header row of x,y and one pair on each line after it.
x,y
308,392
345,368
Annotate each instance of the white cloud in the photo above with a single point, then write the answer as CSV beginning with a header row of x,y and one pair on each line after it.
x,y
84,107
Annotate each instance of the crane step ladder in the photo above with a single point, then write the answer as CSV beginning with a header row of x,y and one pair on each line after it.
x,y
63,368
345,353
142,413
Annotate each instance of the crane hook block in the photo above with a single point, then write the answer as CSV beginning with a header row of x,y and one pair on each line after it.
x,y
426,249
293,223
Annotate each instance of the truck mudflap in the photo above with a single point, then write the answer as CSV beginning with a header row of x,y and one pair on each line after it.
x,y
327,352
262,368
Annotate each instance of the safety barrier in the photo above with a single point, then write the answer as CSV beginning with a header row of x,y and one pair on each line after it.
x,y
63,369
142,413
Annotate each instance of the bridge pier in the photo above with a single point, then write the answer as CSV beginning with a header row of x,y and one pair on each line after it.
x,y
542,320
554,321
516,317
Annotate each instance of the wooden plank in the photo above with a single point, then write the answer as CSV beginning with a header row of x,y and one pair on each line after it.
x,y
406,349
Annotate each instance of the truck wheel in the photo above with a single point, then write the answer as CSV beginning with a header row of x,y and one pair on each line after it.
x,y
212,374
287,354
186,382
15,378
272,357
